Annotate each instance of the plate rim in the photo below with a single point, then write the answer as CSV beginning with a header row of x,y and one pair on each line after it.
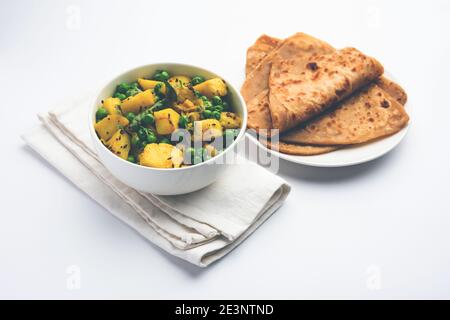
x,y
303,159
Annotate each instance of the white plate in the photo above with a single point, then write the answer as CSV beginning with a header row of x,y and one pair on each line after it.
x,y
348,156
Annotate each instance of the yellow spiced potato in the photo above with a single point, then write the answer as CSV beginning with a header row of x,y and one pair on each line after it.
x,y
120,144
212,87
106,127
207,129
186,106
211,150
179,81
230,120
166,121
139,102
181,87
161,155
112,105
151,84
193,116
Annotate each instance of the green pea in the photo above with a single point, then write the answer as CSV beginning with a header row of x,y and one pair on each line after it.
x,y
178,136
204,98
147,119
131,158
119,95
197,93
183,121
188,155
197,159
208,105
151,138
207,114
225,105
164,140
216,100
123,87
142,133
218,108
190,151
216,115
135,85
131,116
132,92
165,75
158,91
135,140
161,75
134,125
196,80
230,134
201,152
101,113
198,152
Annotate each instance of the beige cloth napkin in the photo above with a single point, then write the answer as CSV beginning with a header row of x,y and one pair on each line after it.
x,y
199,227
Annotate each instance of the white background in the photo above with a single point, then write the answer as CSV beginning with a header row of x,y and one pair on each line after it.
x,y
378,230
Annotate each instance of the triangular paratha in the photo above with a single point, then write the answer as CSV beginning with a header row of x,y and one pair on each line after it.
x,y
255,53
367,115
303,87
298,44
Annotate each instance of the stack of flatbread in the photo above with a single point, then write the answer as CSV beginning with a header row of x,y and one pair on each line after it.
x,y
318,98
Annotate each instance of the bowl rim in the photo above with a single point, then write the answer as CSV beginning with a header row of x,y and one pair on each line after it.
x,y
175,64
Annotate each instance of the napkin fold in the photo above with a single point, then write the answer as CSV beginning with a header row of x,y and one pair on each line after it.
x,y
200,227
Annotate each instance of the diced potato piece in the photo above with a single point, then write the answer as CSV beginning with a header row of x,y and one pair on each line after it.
x,y
150,84
179,81
193,116
212,87
199,102
112,105
120,144
184,94
161,155
207,129
180,85
139,102
106,127
211,150
166,121
230,120
186,106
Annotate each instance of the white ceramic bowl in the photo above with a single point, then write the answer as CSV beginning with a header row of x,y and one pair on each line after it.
x,y
165,181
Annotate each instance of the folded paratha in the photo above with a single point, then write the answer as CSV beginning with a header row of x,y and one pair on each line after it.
x,y
298,44
255,53
258,112
393,89
370,114
256,86
259,116
258,107
303,88
255,90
